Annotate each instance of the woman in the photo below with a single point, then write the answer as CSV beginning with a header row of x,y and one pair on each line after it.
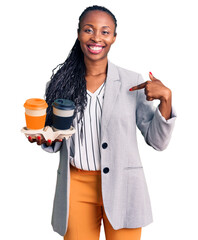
x,y
100,174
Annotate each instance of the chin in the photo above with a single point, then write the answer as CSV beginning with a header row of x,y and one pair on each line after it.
x,y
96,58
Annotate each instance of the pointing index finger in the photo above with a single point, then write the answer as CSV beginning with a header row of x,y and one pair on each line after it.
x,y
138,87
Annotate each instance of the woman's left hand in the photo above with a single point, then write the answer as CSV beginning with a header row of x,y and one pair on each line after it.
x,y
154,89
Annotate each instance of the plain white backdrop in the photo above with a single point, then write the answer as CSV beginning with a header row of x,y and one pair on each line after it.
x,y
156,36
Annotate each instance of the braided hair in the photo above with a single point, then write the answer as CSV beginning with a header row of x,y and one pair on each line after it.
x,y
69,80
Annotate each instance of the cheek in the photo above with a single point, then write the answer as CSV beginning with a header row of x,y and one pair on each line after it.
x,y
82,40
109,41
82,43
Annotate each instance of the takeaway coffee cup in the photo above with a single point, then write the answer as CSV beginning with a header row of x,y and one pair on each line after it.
x,y
63,112
35,113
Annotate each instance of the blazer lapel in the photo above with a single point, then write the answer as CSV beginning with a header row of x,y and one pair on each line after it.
x,y
112,87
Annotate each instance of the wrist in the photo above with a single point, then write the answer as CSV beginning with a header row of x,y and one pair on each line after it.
x,y
167,96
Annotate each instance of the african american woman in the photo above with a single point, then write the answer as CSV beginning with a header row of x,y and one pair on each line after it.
x,y
100,174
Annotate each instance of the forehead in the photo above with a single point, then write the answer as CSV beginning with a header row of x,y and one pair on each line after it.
x,y
97,18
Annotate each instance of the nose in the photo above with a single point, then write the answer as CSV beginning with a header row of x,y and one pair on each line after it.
x,y
96,37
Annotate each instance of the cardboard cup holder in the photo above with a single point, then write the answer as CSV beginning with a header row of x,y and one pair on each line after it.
x,y
48,133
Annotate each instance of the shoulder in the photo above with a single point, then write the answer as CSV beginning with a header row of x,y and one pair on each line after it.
x,y
127,74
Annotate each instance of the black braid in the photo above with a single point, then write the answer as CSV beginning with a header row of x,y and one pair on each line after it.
x,y
69,80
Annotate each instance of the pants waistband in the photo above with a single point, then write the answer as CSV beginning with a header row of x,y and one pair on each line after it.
x,y
86,172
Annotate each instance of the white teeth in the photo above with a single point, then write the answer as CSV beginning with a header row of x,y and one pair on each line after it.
x,y
95,48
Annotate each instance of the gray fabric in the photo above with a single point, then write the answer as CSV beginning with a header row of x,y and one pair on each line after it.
x,y
61,203
124,189
55,147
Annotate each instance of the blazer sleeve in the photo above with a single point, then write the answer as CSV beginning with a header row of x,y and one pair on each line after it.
x,y
55,147
154,127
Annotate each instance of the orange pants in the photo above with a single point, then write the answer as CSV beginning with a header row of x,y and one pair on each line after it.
x,y
86,210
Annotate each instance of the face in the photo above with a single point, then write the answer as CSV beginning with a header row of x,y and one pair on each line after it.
x,y
96,35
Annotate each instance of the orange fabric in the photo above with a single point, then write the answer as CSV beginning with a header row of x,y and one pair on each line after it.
x,y
34,123
86,210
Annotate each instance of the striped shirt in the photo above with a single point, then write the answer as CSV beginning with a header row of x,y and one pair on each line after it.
x,y
86,154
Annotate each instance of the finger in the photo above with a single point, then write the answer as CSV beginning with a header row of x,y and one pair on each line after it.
x,y
149,98
145,91
152,77
58,140
38,140
138,87
49,142
148,88
30,139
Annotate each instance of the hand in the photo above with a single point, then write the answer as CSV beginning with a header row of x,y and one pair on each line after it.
x,y
40,140
154,89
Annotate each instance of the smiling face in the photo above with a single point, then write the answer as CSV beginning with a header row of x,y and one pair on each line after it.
x,y
96,35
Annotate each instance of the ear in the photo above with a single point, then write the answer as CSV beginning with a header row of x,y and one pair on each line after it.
x,y
114,38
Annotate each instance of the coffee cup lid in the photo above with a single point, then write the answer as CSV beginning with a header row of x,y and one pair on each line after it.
x,y
63,104
35,104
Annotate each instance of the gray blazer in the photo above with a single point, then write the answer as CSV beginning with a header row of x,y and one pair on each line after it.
x,y
124,189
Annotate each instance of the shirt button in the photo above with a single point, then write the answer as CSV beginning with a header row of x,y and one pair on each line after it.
x,y
106,170
104,145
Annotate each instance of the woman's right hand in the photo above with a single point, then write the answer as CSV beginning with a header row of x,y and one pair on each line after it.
x,y
40,140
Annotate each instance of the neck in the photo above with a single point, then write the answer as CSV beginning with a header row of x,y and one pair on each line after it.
x,y
94,68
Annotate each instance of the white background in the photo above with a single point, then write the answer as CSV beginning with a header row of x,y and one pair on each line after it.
x,y
156,36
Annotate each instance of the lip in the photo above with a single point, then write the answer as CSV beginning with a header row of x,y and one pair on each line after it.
x,y
95,51
94,44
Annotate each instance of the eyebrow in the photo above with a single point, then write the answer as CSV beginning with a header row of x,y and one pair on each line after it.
x,y
93,26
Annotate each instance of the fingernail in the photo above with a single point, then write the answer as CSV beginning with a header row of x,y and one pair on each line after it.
x,y
131,89
30,138
151,73
60,140
38,137
49,141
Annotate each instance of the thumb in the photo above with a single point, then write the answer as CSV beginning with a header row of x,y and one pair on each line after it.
x,y
151,76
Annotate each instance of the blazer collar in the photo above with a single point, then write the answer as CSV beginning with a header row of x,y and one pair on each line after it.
x,y
112,87
112,72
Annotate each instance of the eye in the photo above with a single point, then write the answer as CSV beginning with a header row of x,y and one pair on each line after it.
x,y
88,30
105,32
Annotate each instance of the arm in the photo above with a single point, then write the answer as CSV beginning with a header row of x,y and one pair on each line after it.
x,y
155,124
165,106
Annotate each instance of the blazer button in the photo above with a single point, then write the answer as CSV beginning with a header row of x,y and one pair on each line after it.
x,y
104,145
106,170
